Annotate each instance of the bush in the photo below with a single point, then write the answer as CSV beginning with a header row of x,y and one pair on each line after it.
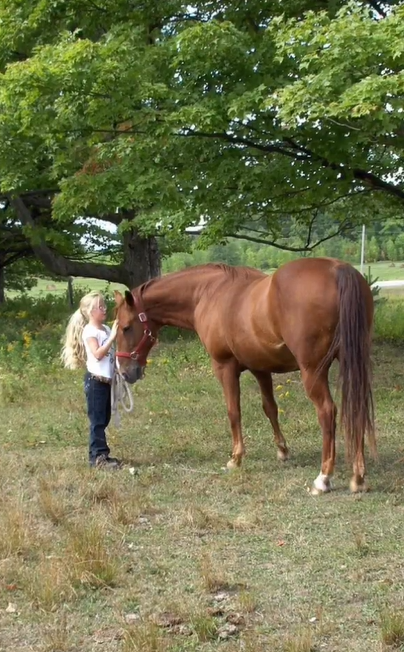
x,y
389,321
32,330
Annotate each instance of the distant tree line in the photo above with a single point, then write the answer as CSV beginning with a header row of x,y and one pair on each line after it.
x,y
381,244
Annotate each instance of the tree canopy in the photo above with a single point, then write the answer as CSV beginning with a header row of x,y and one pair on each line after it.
x,y
157,115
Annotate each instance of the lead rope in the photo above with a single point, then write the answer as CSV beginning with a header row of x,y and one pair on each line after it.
x,y
120,394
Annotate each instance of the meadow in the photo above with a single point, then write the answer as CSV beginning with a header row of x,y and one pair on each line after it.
x,y
384,271
172,553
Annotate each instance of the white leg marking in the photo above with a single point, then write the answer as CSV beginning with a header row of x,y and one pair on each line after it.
x,y
321,485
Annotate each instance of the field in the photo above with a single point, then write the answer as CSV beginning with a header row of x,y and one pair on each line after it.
x,y
384,271
171,553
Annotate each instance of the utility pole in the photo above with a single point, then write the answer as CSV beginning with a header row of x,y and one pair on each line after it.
x,y
363,248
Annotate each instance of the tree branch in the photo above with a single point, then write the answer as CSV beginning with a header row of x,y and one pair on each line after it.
x,y
284,247
237,140
378,183
311,224
358,174
23,253
57,263
300,152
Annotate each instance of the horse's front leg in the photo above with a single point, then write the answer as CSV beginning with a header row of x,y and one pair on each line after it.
x,y
228,374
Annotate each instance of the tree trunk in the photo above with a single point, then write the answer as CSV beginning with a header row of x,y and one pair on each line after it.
x,y
141,258
2,285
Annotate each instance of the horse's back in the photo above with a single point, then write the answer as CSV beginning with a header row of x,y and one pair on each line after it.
x,y
273,321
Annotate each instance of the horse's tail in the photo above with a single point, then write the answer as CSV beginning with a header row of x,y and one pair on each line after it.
x,y
352,346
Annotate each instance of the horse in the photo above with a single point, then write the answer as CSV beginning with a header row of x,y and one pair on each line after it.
x,y
305,315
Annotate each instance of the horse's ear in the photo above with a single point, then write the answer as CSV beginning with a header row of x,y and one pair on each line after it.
x,y
129,299
118,298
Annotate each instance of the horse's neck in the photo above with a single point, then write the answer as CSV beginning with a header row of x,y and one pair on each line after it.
x,y
171,300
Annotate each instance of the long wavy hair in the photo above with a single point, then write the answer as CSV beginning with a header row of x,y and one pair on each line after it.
x,y
73,353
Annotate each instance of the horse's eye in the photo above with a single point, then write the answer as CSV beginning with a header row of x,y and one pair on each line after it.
x,y
125,329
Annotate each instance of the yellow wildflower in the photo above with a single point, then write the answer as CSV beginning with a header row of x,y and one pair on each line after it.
x,y
10,347
27,338
286,394
22,314
279,387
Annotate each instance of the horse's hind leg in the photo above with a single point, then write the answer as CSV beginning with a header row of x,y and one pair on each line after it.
x,y
228,373
271,410
318,391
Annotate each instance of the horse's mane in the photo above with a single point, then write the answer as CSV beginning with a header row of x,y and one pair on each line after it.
x,y
233,271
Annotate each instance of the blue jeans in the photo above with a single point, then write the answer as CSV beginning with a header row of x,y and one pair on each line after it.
x,y
98,397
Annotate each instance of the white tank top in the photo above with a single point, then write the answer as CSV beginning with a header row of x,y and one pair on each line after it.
x,y
104,367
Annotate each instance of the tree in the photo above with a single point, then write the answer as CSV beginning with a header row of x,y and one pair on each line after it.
x,y
30,181
245,115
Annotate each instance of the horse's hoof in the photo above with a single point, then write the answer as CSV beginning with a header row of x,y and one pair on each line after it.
x,y
321,485
314,491
358,487
282,456
231,465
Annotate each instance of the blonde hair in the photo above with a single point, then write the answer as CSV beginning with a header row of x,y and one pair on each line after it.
x,y
73,353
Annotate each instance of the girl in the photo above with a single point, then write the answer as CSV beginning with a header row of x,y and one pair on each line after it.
x,y
88,340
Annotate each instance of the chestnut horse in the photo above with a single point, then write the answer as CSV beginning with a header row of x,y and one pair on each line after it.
x,y
309,312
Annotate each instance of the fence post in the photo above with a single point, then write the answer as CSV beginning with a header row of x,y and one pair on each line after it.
x,y
70,291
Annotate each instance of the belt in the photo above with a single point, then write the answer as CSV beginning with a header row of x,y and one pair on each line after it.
x,y
102,379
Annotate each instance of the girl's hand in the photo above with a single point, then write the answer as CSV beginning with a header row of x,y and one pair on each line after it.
x,y
114,330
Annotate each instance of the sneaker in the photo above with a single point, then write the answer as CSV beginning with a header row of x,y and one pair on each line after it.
x,y
106,462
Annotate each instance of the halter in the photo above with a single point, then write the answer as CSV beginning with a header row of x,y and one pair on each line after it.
x,y
147,339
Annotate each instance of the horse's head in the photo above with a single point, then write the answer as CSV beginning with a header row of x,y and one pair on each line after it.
x,y
134,336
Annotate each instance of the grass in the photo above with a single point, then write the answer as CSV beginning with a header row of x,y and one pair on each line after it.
x,y
179,555
385,271
59,288
392,629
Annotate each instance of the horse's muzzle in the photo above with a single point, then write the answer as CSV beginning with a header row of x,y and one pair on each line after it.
x,y
135,373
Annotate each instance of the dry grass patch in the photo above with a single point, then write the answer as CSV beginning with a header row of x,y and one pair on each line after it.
x,y
17,531
126,510
212,575
202,519
49,585
301,642
100,490
123,506
51,504
89,557
361,545
248,602
249,521
145,637
392,629
56,637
